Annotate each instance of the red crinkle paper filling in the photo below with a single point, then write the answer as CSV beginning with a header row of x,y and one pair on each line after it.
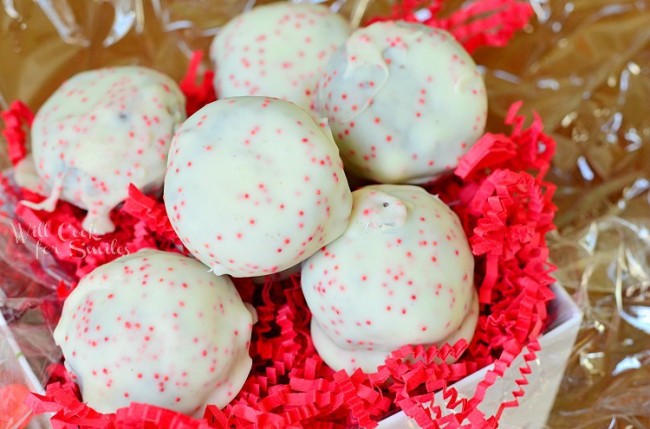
x,y
499,193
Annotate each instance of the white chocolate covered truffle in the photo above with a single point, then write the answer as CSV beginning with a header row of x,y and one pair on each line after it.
x,y
100,131
405,102
402,273
157,328
277,50
254,186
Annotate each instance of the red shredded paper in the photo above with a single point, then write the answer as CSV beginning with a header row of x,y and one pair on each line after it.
x,y
505,207
197,93
480,23
141,223
17,119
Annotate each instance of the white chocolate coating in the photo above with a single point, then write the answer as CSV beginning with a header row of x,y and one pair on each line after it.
x,y
100,131
402,273
254,186
405,102
157,328
277,50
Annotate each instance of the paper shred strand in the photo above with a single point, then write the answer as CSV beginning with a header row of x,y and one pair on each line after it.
x,y
480,23
17,119
197,92
152,213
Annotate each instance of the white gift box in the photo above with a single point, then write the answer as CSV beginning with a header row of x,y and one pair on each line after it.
x,y
547,371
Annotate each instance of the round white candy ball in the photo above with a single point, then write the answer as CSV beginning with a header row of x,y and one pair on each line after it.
x,y
402,273
277,50
405,102
156,328
100,131
254,186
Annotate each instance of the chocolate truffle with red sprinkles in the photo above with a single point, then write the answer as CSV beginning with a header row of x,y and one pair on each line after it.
x,y
277,50
156,328
402,273
254,186
100,131
405,102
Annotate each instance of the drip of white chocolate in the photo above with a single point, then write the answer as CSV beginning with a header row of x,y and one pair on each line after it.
x,y
100,131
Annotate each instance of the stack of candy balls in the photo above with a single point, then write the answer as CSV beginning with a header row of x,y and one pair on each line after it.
x,y
256,184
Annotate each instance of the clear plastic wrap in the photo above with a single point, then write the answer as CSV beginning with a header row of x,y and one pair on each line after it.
x,y
607,266
583,65
26,351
